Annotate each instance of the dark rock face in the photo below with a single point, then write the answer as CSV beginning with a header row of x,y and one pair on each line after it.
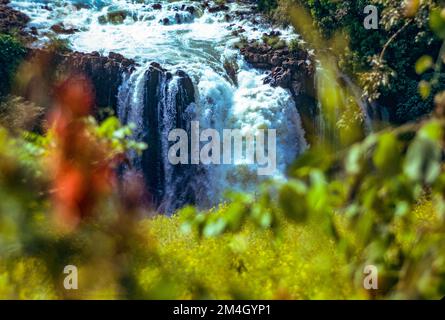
x,y
152,163
290,70
218,8
12,20
105,73
160,103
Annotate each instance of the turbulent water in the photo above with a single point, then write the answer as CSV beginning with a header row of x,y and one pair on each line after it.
x,y
200,44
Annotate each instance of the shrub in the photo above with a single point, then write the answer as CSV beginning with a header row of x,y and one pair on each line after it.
x,y
12,53
18,114
267,5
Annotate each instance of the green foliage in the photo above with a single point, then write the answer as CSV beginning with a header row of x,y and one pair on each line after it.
x,y
57,44
437,24
295,45
274,41
118,137
362,207
12,53
266,5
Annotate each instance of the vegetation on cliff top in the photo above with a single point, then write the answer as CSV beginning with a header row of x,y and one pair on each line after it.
x,y
381,61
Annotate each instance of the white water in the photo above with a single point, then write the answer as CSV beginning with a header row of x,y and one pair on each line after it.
x,y
199,45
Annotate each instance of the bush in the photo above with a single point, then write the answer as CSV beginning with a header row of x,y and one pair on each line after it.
x,y
18,114
267,5
12,53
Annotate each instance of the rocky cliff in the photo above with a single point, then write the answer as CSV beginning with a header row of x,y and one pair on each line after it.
x,y
12,20
293,70
44,67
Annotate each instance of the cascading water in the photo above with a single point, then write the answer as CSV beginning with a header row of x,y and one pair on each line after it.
x,y
194,46
155,102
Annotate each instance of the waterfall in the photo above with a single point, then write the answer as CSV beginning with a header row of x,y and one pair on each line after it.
x,y
192,45
130,108
156,101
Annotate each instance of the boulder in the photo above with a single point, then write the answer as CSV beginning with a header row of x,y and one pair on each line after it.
x,y
60,28
218,8
113,17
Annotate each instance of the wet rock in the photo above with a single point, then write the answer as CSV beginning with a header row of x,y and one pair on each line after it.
x,y
157,83
113,17
178,18
80,6
280,77
231,68
276,60
294,71
34,31
218,8
186,85
12,20
157,6
60,28
191,9
273,33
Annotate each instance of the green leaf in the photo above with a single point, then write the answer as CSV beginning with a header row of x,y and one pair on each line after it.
x,y
214,228
432,130
354,159
292,200
424,89
108,127
235,214
437,24
422,163
423,64
387,156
